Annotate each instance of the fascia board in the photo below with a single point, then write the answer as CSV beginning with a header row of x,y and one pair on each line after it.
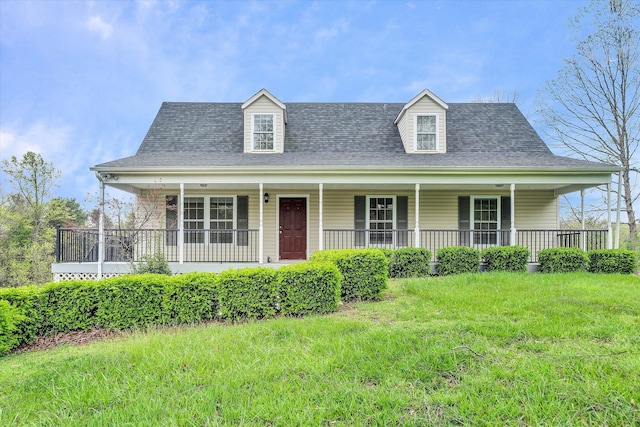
x,y
264,92
418,97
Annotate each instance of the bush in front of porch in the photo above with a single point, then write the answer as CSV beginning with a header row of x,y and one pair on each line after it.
x,y
457,260
506,258
364,271
409,262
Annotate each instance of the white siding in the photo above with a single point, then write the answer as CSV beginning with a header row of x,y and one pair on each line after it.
x,y
406,124
264,105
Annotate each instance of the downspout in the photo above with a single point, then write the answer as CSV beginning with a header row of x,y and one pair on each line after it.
x,y
100,227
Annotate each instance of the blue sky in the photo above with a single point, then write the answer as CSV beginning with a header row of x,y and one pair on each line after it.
x,y
81,81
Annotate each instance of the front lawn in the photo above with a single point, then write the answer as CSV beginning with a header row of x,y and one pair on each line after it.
x,y
481,349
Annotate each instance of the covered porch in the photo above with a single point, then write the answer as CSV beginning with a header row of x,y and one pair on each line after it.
x,y
473,209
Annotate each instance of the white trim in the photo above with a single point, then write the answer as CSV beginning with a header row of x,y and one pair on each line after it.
x,y
207,218
415,132
277,219
417,212
418,97
181,225
261,225
268,95
320,216
472,200
368,216
512,219
275,133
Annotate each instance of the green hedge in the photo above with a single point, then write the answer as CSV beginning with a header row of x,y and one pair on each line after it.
x,y
506,258
247,293
364,271
309,288
409,262
29,300
131,301
457,260
612,261
10,318
562,260
191,298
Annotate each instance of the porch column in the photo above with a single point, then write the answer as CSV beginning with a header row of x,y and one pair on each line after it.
x,y
582,221
101,230
320,224
417,230
609,230
261,227
617,242
512,235
181,226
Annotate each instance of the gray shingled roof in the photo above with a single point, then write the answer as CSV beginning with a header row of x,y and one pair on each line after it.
x,y
352,135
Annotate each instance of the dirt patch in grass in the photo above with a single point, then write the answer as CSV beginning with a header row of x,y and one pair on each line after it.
x,y
73,338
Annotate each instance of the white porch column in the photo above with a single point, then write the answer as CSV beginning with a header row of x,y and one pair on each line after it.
x,y
101,230
320,224
512,234
617,242
609,230
582,221
181,226
417,230
261,227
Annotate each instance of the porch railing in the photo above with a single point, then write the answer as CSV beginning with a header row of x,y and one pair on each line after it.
x,y
130,245
434,240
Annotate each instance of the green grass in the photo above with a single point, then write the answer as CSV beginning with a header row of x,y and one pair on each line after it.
x,y
483,349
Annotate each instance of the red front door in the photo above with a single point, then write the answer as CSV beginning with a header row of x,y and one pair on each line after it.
x,y
293,228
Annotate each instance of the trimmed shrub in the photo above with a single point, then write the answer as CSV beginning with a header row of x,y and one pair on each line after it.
x,y
131,301
191,298
457,260
29,302
69,305
10,317
153,264
612,261
562,260
309,288
247,293
364,271
409,262
506,258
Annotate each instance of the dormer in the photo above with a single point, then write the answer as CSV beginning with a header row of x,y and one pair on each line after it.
x,y
265,117
422,124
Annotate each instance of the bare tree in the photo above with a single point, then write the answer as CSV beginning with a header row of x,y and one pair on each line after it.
x,y
500,97
591,109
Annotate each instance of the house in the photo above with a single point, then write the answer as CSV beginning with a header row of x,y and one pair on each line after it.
x,y
264,181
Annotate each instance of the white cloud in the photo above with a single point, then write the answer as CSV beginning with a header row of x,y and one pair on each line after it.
x,y
97,25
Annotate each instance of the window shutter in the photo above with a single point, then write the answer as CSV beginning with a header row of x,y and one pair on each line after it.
x,y
360,219
242,218
464,222
402,220
505,220
171,220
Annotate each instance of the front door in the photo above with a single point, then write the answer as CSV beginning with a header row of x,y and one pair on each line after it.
x,y
293,228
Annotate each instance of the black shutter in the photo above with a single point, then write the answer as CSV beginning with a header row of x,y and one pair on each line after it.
x,y
505,220
402,222
243,220
171,220
360,219
464,223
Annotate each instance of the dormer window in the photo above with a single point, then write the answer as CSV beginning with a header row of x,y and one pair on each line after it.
x,y
426,132
263,132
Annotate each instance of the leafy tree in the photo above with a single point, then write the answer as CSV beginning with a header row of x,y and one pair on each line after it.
x,y
33,178
591,109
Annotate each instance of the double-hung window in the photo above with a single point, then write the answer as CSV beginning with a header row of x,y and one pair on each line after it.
x,y
426,132
221,219
381,220
263,132
486,220
217,212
